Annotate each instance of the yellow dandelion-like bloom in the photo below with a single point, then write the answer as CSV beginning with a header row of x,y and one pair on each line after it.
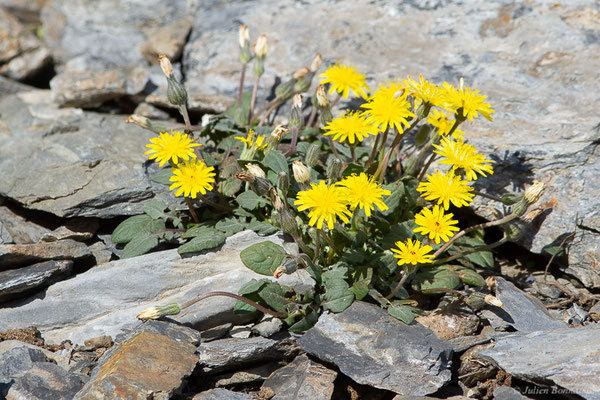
x,y
363,192
192,177
173,147
446,188
349,127
443,124
326,202
461,155
465,102
436,224
388,107
343,79
258,142
412,252
424,91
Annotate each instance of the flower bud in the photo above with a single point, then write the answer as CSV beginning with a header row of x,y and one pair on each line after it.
x,y
275,199
411,165
301,172
245,176
312,155
176,92
260,47
322,100
165,65
157,312
261,186
259,67
296,119
476,301
423,110
303,80
509,199
255,170
285,90
422,135
316,63
244,39
334,169
145,123
279,132
493,301
534,192
288,222
283,182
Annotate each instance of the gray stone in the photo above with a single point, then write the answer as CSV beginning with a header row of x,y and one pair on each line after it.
x,y
375,349
168,40
44,381
567,358
508,393
26,11
96,303
22,54
18,360
60,360
247,375
78,163
522,311
241,332
15,255
229,354
150,111
99,341
136,368
21,230
216,332
79,229
302,379
222,394
14,282
102,254
5,237
463,343
268,326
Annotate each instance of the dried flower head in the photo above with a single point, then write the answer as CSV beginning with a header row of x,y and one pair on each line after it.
x,y
260,47
316,63
165,65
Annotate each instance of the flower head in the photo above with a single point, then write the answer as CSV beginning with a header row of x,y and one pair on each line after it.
x,y
260,47
192,177
446,188
363,192
424,91
252,144
461,155
301,172
465,102
173,147
534,192
343,79
436,224
255,170
349,127
443,124
412,252
388,107
326,202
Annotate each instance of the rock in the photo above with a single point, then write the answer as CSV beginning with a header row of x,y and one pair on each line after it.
x,y
216,332
27,11
460,344
78,163
9,344
79,229
246,376
94,303
222,394
522,311
302,378
44,381
450,325
268,326
562,357
19,360
14,255
15,282
508,393
136,368
99,341
149,111
100,252
21,230
241,332
228,354
375,349
22,55
168,40
5,237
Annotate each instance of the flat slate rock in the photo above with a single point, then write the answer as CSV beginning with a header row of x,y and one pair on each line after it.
x,y
44,381
21,230
222,394
16,255
14,282
567,358
375,349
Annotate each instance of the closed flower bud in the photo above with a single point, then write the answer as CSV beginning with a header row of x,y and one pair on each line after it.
x,y
303,80
285,90
423,110
243,35
476,301
260,47
145,123
296,119
519,208
245,176
422,135
261,186
255,170
301,172
411,165
534,192
288,223
322,100
509,199
301,73
312,155
165,65
316,63
157,312
275,199
176,92
283,182
334,169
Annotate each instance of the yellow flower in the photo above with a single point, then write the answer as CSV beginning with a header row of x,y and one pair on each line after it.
x,y
325,204
192,177
412,253
446,188
424,91
349,127
250,141
169,147
463,156
443,124
436,224
465,102
388,107
363,192
343,78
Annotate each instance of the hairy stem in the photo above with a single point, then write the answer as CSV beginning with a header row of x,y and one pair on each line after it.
x,y
253,99
237,297
241,90
192,211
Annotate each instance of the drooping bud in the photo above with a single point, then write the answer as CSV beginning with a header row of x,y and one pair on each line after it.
x,y
323,105
493,301
165,65
261,186
157,312
283,182
285,90
509,199
534,192
301,172
176,93
296,119
260,47
288,223
244,39
422,135
279,132
334,169
316,63
145,123
312,155
303,80
255,170
322,99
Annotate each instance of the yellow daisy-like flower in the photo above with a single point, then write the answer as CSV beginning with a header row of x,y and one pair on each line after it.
x,y
363,192
326,202
436,224
424,91
446,188
258,142
461,155
192,177
388,108
343,79
349,127
443,124
465,102
412,252
173,147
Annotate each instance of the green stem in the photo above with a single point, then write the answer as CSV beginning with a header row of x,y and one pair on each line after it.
x,y
313,115
400,284
215,205
263,108
354,221
317,247
237,297
487,196
272,108
330,243
380,173
352,152
373,152
192,211
466,253
253,99
186,117
241,90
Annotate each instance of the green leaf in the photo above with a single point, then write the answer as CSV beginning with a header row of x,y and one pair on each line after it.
x,y
252,286
230,186
250,200
276,161
483,259
360,290
402,313
240,212
262,228
439,277
155,209
393,200
139,245
470,277
202,228
305,323
274,295
263,257
399,233
203,241
162,176
126,230
338,298
352,169
230,226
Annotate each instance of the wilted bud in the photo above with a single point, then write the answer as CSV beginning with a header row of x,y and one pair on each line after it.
x,y
334,169
316,63
244,39
301,172
322,100
245,176
278,271
301,73
296,119
303,80
283,182
312,155
285,90
509,199
534,192
157,312
260,47
422,135
275,199
145,123
297,101
493,301
165,65
255,170
279,132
